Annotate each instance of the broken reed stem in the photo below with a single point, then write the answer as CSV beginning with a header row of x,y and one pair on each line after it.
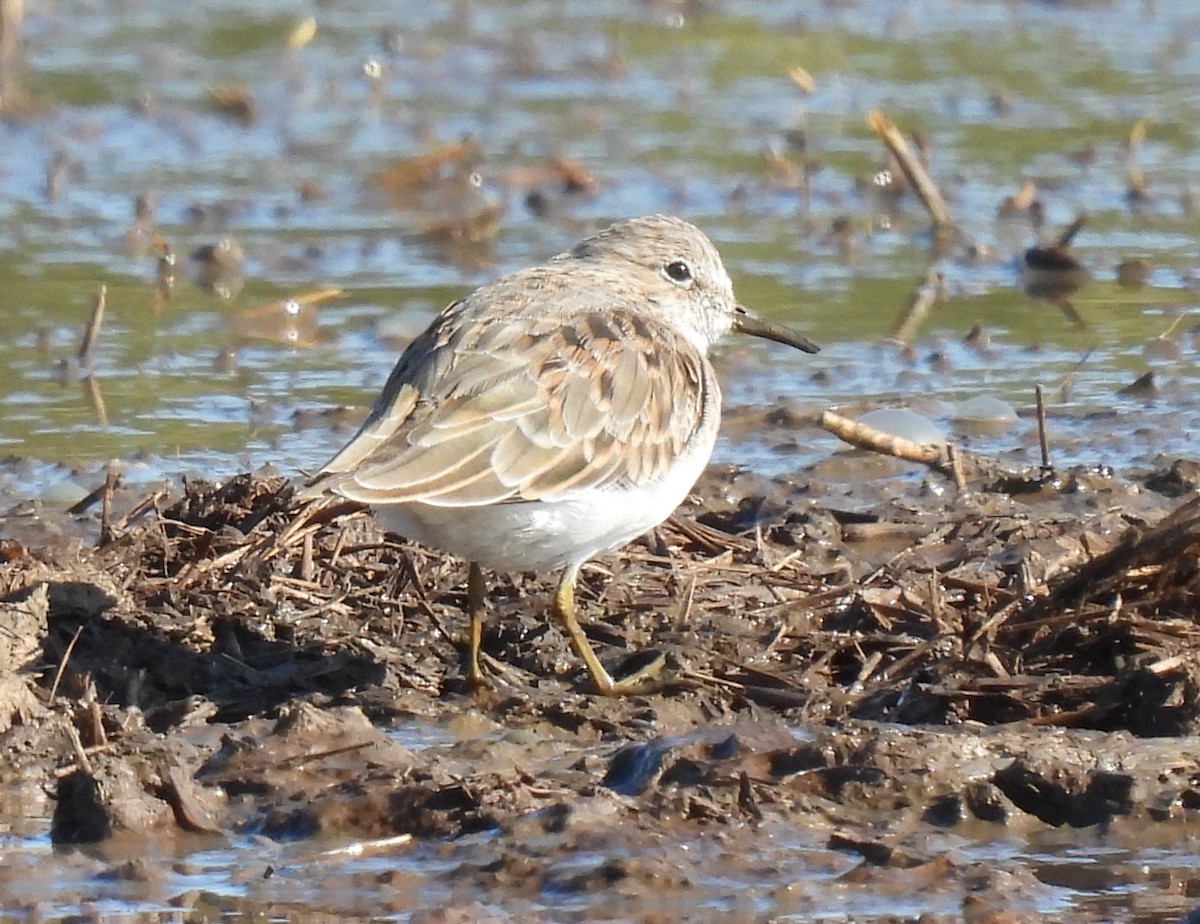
x,y
956,466
963,467
913,169
93,328
1174,325
867,437
927,292
81,758
95,396
1043,439
97,494
307,568
350,851
58,676
111,480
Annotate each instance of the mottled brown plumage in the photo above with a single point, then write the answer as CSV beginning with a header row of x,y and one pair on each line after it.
x,y
555,413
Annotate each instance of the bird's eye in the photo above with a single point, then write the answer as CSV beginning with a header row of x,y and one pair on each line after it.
x,y
679,272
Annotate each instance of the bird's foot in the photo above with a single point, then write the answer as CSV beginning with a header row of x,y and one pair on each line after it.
x,y
634,674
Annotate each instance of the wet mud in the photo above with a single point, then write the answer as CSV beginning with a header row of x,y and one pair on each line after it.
x,y
876,676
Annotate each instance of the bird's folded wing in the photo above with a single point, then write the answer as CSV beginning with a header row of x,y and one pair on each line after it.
x,y
496,411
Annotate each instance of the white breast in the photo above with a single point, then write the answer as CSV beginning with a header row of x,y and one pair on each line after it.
x,y
550,536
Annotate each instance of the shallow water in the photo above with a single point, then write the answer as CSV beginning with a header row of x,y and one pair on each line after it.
x,y
671,108
775,871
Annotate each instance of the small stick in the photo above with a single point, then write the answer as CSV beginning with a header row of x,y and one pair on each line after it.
x,y
1043,440
339,545
867,437
956,466
927,292
938,458
81,506
92,389
918,176
712,680
689,598
93,328
1064,388
300,760
350,851
937,598
1170,331
148,502
306,558
111,480
91,722
81,757
63,664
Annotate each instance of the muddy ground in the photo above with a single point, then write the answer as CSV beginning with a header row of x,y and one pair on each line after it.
x,y
860,668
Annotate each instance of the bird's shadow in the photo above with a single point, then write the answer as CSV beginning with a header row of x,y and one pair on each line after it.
x,y
172,668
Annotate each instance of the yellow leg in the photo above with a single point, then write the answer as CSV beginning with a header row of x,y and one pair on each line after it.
x,y
476,594
564,609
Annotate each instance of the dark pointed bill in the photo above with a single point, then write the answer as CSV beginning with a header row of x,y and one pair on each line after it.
x,y
747,323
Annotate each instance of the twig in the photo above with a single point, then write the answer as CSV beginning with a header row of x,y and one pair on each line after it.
x,y
928,291
1065,386
148,502
91,388
688,599
712,680
299,760
1174,325
81,757
711,540
1043,438
111,480
867,437
348,852
93,329
306,558
916,173
956,468
338,546
92,497
62,665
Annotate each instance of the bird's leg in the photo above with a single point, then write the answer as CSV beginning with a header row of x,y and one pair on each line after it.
x,y
564,609
476,602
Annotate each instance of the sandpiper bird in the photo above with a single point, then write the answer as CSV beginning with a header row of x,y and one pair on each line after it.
x,y
554,414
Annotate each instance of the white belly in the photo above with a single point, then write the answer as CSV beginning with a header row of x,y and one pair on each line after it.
x,y
550,536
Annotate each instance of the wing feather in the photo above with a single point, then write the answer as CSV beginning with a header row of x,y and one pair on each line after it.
x,y
483,409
